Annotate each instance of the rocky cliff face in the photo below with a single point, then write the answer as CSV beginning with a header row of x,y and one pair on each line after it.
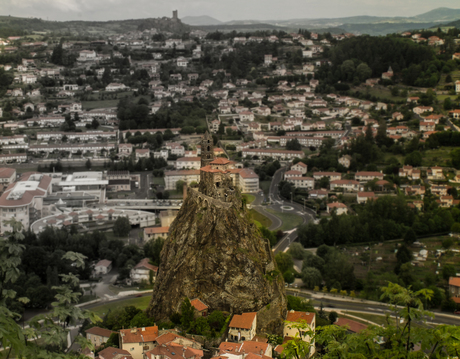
x,y
215,253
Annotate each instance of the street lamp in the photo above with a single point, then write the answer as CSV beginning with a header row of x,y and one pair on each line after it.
x,y
291,196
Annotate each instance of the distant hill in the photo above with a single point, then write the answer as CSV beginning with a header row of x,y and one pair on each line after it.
x,y
372,25
441,14
203,20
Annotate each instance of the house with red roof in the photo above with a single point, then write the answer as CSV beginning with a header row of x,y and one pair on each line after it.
x,y
363,197
114,353
242,327
294,317
173,351
337,207
454,289
137,341
301,167
352,325
141,271
200,308
98,336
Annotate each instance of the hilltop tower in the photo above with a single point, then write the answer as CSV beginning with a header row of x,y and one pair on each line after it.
x,y
207,149
175,15
215,252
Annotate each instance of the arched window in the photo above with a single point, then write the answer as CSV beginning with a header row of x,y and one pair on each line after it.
x,y
209,148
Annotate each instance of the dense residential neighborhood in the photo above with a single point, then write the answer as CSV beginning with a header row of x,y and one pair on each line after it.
x,y
338,153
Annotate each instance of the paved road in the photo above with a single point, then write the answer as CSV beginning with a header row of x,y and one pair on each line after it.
x,y
278,204
357,305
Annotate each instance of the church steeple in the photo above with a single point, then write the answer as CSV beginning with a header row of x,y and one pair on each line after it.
x,y
207,149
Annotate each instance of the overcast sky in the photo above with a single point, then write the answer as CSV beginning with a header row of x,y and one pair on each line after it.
x,y
223,10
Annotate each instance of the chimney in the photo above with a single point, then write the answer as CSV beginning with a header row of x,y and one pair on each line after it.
x,y
143,329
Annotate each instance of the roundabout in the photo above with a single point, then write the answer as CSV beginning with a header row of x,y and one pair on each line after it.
x,y
287,208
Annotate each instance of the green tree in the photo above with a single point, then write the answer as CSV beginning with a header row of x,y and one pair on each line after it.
x,y
448,270
296,250
121,227
455,157
311,277
410,237
52,328
187,314
57,55
293,145
284,262
180,185
363,71
403,255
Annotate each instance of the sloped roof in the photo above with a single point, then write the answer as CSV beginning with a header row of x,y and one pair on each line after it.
x,y
352,325
99,331
198,304
139,335
294,316
244,320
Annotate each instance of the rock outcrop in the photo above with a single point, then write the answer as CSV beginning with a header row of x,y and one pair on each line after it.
x,y
215,253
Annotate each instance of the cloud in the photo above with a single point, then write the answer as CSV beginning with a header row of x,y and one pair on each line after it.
x,y
221,9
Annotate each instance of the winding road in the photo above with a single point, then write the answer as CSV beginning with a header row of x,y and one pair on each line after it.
x,y
278,204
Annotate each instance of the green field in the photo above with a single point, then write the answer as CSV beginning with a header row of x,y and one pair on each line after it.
x,y
260,218
290,220
158,180
437,157
90,105
141,303
382,93
249,198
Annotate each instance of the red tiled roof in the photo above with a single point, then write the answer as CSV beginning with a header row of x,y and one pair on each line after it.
x,y
102,332
145,264
294,316
174,352
138,335
156,230
244,320
6,172
254,347
166,338
454,281
229,347
198,305
352,325
111,353
220,161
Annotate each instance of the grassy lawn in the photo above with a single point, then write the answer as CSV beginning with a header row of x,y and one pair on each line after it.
x,y
383,93
141,303
158,180
265,186
441,98
260,218
374,318
249,198
437,157
90,105
290,220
